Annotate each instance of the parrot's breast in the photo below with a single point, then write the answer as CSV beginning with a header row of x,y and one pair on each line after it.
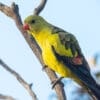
x,y
52,62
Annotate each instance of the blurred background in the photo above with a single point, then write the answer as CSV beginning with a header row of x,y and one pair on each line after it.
x,y
80,17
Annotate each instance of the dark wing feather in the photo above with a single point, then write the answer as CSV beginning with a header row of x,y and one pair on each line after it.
x,y
69,41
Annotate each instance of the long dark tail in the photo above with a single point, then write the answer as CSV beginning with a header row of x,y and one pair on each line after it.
x,y
95,89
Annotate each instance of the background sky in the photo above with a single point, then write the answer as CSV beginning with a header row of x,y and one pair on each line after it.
x,y
80,17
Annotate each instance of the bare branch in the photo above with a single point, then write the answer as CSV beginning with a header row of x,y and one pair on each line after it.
x,y
13,13
7,10
40,7
33,45
20,79
5,97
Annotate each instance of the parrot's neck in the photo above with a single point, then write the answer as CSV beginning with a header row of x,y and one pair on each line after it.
x,y
41,37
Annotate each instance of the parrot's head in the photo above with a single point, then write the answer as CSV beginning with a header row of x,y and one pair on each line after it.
x,y
34,24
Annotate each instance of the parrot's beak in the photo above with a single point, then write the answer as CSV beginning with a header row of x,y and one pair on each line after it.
x,y
26,27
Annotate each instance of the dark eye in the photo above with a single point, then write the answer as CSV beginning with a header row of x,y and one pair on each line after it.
x,y
33,21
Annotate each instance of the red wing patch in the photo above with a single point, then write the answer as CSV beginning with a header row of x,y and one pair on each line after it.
x,y
77,60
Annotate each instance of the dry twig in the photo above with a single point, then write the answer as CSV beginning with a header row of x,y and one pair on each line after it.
x,y
13,12
5,97
40,7
20,79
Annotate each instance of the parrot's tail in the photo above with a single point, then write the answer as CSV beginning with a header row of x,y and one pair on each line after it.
x,y
95,89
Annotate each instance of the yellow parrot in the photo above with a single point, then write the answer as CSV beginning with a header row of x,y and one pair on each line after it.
x,y
61,52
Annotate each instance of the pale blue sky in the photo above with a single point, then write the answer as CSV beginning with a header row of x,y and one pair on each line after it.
x,y
80,17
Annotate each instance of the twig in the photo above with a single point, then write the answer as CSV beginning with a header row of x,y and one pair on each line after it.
x,y
5,97
20,79
40,7
58,88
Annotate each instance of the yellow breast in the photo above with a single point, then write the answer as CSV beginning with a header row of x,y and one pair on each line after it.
x,y
51,61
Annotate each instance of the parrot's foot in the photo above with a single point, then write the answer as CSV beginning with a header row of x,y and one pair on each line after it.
x,y
56,82
45,66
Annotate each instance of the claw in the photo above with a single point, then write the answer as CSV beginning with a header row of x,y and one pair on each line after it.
x,y
56,82
44,67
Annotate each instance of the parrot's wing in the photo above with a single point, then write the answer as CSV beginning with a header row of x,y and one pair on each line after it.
x,y
78,65
68,40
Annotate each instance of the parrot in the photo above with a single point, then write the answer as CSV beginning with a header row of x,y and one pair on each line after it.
x,y
61,52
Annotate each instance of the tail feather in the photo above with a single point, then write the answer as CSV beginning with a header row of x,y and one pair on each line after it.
x,y
95,89
92,87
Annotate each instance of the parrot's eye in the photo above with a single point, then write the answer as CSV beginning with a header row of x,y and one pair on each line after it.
x,y
33,21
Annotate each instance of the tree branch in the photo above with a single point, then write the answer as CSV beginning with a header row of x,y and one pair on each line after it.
x,y
20,79
40,7
33,45
5,97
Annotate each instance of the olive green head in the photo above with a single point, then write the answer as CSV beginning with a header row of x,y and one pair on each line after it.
x,y
34,23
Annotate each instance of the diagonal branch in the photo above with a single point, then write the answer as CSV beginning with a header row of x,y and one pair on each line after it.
x,y
5,97
58,88
20,79
40,7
